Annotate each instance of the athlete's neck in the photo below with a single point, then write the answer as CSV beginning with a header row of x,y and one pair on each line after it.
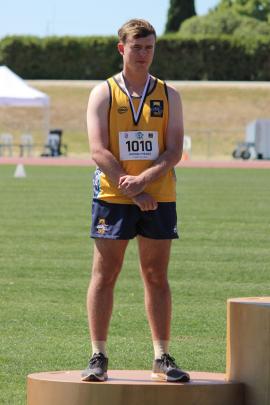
x,y
135,81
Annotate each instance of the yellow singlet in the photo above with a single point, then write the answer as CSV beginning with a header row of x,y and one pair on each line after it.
x,y
136,145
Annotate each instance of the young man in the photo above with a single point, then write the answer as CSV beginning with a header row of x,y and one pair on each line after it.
x,y
135,131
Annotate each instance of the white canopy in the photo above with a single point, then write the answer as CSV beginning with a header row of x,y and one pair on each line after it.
x,y
15,92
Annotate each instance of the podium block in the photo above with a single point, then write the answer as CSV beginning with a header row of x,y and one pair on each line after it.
x,y
248,347
131,387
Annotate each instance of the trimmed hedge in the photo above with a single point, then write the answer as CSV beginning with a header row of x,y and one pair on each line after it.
x,y
65,58
84,58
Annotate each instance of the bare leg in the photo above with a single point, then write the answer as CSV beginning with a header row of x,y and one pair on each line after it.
x,y
154,258
107,264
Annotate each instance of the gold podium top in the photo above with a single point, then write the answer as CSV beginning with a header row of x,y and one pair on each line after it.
x,y
262,301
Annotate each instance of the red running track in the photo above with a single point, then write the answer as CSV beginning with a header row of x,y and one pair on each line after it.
x,y
69,161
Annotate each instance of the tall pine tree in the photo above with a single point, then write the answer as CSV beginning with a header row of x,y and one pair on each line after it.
x,y
179,11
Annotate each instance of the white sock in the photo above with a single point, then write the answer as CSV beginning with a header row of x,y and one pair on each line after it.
x,y
160,347
99,346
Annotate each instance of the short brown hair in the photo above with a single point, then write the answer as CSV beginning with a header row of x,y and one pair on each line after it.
x,y
137,28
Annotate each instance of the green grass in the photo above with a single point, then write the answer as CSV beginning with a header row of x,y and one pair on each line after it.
x,y
45,257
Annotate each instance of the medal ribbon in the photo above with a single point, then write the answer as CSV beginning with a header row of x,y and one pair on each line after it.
x,y
143,97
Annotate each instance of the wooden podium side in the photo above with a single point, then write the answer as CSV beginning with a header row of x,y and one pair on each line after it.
x,y
248,347
131,387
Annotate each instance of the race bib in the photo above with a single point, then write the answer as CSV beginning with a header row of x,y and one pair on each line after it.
x,y
138,145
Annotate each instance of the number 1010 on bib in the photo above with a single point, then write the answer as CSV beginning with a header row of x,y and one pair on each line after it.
x,y
138,145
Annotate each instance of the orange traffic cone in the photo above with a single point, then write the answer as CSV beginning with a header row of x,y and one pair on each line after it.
x,y
185,156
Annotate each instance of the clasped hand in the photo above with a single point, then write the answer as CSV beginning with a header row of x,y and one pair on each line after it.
x,y
145,202
133,186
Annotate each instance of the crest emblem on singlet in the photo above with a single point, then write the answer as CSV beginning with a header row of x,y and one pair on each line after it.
x,y
122,109
156,107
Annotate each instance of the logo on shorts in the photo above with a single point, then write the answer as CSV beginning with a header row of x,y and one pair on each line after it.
x,y
156,108
122,109
102,227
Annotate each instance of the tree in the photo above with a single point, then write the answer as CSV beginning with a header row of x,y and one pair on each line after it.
x,y
259,9
225,22
179,11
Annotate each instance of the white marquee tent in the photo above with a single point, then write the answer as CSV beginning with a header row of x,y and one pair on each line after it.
x,y
15,92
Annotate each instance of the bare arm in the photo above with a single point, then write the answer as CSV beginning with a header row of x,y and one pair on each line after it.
x,y
98,133
169,158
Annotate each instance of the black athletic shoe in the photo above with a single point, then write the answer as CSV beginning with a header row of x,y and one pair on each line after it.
x,y
97,368
165,369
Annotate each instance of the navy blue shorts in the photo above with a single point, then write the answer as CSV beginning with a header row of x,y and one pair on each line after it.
x,y
125,221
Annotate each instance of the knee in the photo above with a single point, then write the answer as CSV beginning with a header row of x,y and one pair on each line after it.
x,y
105,276
155,279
